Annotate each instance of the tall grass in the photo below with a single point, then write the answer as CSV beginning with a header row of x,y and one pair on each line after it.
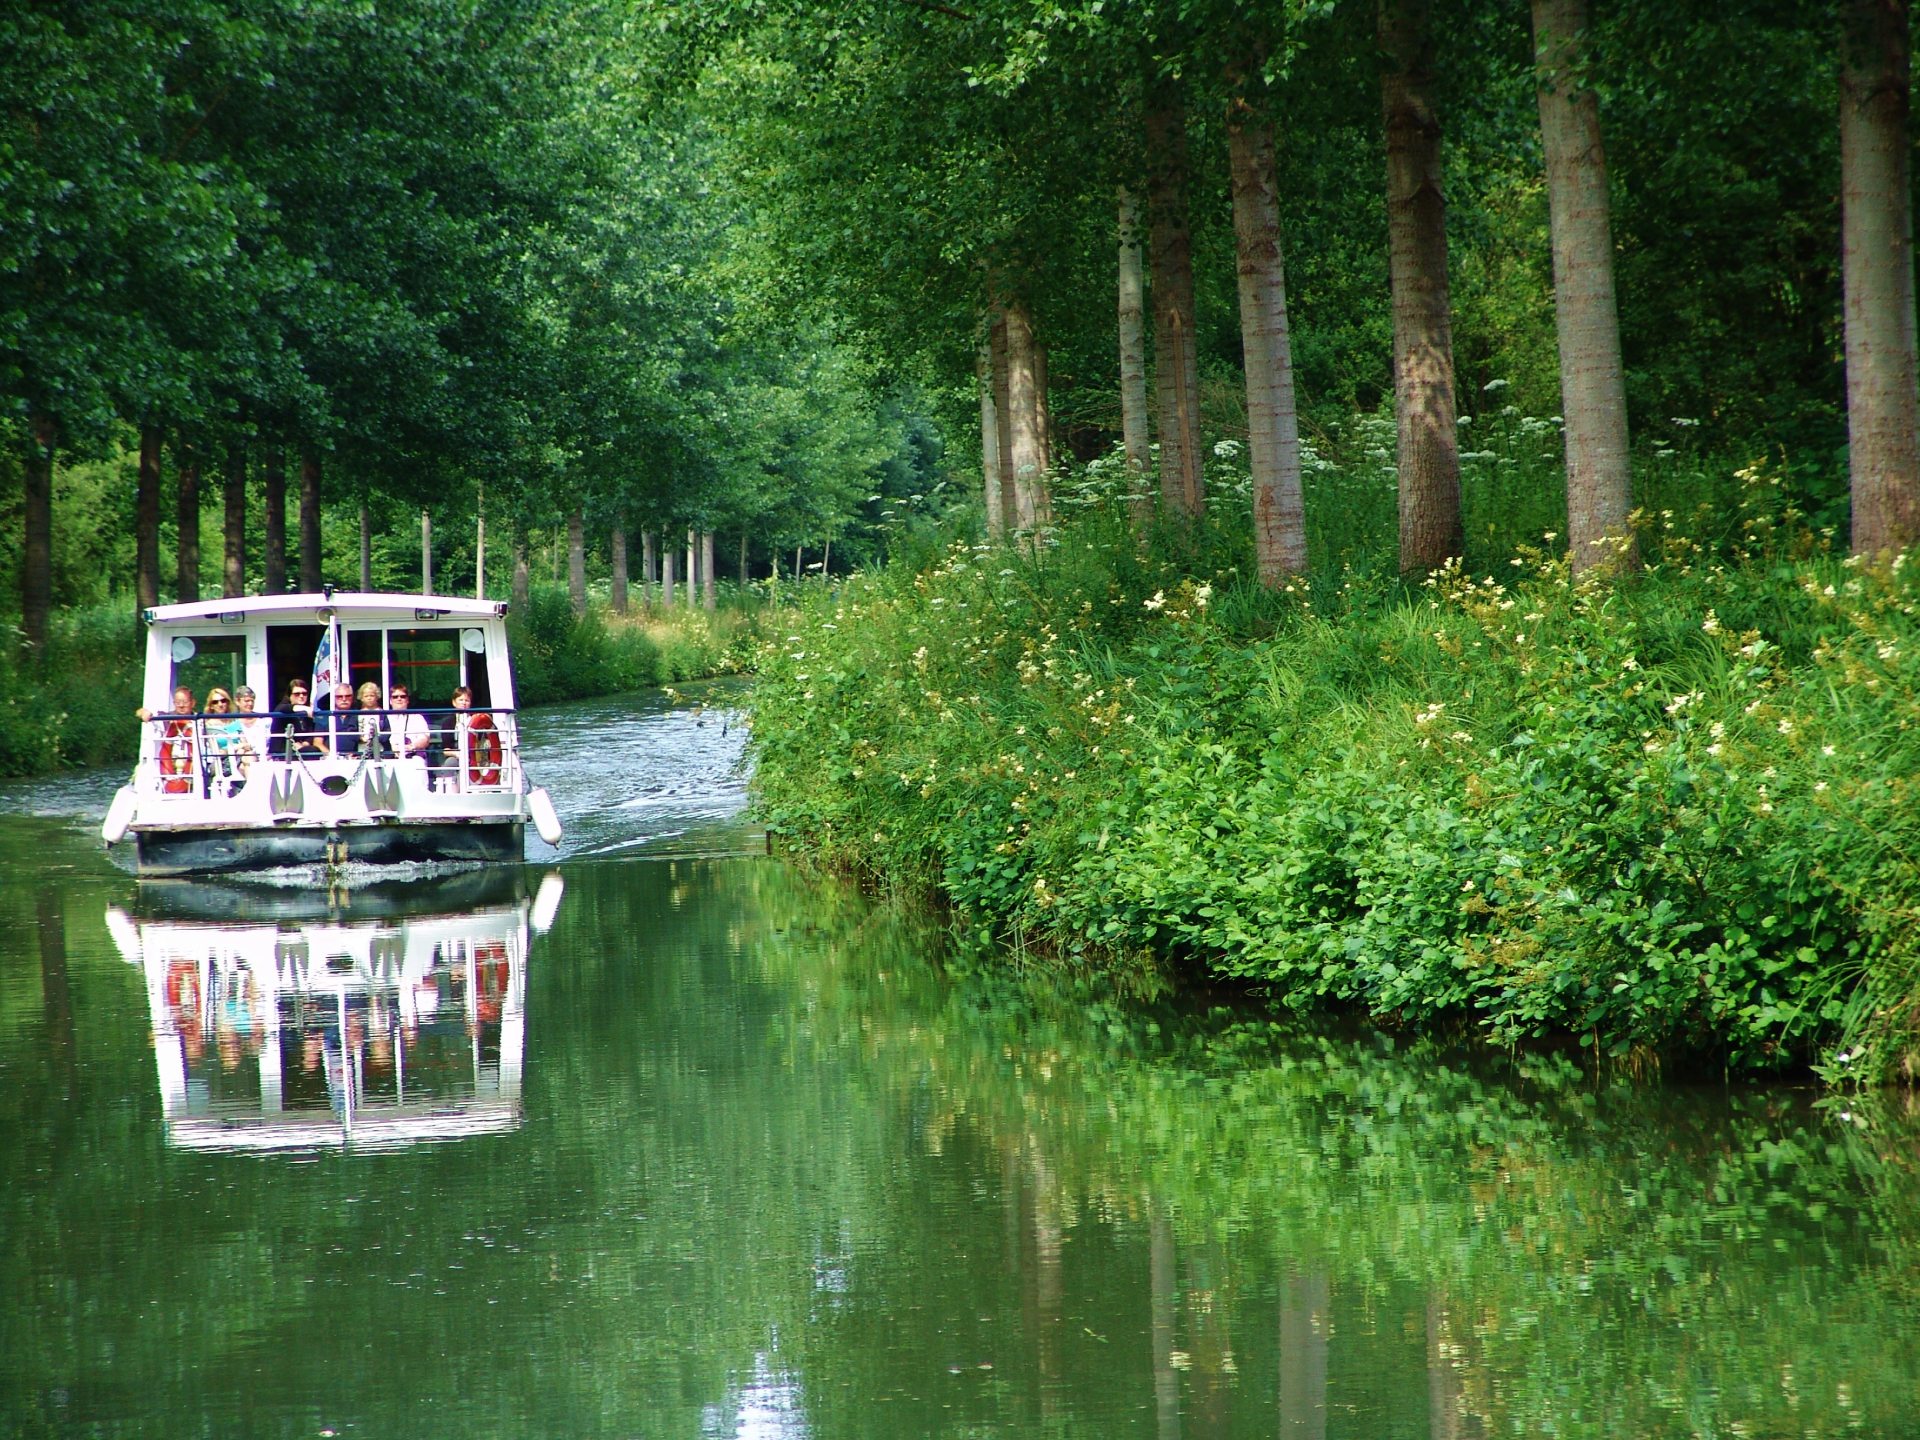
x,y
1672,815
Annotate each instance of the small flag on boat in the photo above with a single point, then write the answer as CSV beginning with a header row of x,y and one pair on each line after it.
x,y
323,668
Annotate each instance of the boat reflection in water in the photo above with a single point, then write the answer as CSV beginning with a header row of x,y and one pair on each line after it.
x,y
320,1020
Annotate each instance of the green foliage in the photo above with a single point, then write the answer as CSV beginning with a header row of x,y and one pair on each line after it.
x,y
1671,816
558,657
78,708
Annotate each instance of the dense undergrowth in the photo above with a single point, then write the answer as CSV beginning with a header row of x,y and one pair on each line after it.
x,y
76,708
1670,816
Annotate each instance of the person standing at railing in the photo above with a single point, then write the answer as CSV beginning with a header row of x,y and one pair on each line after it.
x,y
174,747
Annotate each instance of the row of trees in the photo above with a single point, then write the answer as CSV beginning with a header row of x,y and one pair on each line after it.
x,y
965,176
294,252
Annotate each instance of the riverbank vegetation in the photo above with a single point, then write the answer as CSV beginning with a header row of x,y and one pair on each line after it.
x,y
1673,817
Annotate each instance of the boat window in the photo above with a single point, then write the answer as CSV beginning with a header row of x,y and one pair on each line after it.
x,y
201,662
291,651
366,658
427,662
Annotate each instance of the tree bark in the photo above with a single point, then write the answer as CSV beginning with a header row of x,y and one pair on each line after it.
x,y
310,577
617,543
186,584
233,535
666,574
146,521
1134,438
1883,403
1176,362
1593,396
1043,425
1003,409
577,563
274,482
743,559
1023,416
36,560
1431,532
1273,425
366,548
990,442
426,551
709,587
522,582
649,566
693,569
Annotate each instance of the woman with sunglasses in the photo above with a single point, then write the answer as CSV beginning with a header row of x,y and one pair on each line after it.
x,y
226,768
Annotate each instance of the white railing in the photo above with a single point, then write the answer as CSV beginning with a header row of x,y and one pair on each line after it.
x,y
215,756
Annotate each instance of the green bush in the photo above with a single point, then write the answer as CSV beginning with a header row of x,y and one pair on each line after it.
x,y
76,707
1673,814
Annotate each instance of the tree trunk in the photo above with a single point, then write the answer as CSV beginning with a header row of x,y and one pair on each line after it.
x,y
36,560
649,566
1593,394
577,563
366,548
989,442
1003,410
1133,338
233,567
1430,525
426,551
1023,416
743,559
186,583
1883,404
1043,425
709,587
693,570
617,544
310,580
1273,426
522,582
480,542
798,552
274,481
1176,362
146,522
666,575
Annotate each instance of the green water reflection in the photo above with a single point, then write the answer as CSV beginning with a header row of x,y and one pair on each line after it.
x,y
776,1163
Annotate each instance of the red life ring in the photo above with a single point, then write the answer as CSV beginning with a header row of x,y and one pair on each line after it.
x,y
176,757
483,751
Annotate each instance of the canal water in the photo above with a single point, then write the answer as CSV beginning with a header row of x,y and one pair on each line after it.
x,y
658,1137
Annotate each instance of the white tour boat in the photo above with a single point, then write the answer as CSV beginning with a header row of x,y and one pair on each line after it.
x,y
295,782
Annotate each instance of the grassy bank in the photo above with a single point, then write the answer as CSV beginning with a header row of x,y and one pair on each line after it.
x,y
76,709
1672,817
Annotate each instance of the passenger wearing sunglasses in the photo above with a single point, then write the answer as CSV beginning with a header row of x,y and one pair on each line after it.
x,y
293,735
226,768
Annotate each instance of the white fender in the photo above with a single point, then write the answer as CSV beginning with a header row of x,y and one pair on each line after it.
x,y
119,815
546,901
540,806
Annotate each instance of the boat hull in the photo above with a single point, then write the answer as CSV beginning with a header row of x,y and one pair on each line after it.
x,y
211,849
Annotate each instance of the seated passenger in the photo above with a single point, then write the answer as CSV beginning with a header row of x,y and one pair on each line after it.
x,y
253,726
342,728
293,734
173,746
367,727
408,735
450,743
225,764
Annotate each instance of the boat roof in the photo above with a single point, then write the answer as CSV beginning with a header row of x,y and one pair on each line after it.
x,y
341,602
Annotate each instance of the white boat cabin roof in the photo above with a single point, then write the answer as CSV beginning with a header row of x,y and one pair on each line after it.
x,y
368,605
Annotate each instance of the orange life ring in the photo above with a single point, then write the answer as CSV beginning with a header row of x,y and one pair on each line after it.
x,y
176,757
483,751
